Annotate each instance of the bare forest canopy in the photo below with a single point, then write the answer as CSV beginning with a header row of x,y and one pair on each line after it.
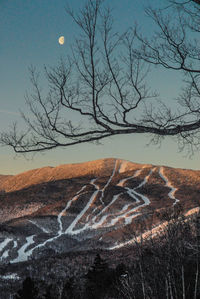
x,y
104,84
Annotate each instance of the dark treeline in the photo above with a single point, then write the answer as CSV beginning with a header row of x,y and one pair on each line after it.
x,y
166,266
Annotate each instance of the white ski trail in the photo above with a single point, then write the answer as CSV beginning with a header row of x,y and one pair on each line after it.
x,y
102,193
95,185
81,189
144,198
155,231
132,193
4,243
69,230
15,244
126,207
108,183
115,197
111,177
39,226
6,253
92,182
22,253
137,173
169,185
126,213
67,207
125,217
99,223
123,165
60,231
145,179
129,215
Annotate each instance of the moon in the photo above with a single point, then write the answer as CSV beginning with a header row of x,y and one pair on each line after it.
x,y
61,40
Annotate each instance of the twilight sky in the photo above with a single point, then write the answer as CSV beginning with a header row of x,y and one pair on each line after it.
x,y
29,32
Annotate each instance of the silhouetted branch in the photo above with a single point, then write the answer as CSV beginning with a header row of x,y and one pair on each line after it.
x,y
101,90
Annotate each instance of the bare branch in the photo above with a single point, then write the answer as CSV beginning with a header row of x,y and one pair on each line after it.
x,y
101,89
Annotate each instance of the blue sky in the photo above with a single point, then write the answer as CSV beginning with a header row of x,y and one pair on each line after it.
x,y
29,31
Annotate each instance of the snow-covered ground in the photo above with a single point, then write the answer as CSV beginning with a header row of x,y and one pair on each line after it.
x,y
4,254
97,213
4,243
169,185
11,276
23,253
155,231
39,226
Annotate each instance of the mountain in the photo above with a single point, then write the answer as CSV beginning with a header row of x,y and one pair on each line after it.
x,y
104,204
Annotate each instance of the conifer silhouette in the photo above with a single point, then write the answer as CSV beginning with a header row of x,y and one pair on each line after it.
x,y
98,278
28,291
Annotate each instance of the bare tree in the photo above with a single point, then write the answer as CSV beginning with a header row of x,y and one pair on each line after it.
x,y
175,46
101,90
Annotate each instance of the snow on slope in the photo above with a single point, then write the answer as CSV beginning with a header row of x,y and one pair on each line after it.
x,y
155,231
11,276
39,226
169,185
70,229
4,243
23,254
96,214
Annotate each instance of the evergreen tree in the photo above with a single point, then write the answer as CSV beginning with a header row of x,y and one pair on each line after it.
x,y
48,294
99,279
28,291
100,265
121,270
68,290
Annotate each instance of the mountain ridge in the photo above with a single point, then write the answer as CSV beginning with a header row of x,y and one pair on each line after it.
x,y
63,171
15,182
98,204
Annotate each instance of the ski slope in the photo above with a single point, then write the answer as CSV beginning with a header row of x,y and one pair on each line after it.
x,y
101,210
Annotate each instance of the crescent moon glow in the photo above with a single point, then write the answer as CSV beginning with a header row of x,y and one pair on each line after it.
x,y
61,40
